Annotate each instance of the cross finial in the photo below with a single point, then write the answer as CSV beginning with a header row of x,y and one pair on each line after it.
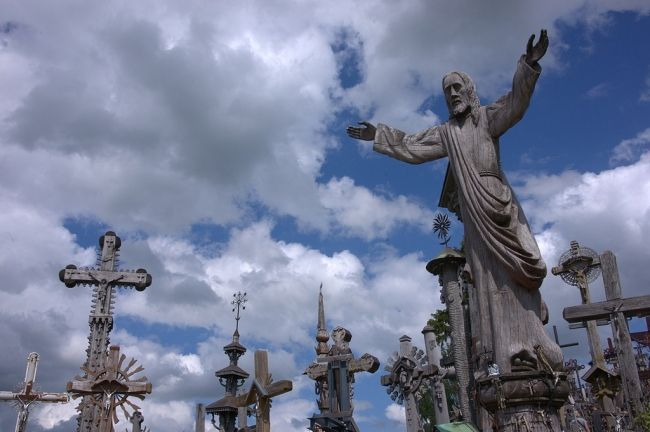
x,y
238,304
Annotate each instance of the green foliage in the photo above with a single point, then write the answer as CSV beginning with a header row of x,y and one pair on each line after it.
x,y
425,408
441,328
643,419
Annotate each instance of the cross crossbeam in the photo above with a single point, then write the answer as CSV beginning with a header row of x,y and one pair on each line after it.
x,y
631,306
365,363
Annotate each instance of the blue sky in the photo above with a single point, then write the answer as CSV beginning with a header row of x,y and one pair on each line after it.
x,y
210,137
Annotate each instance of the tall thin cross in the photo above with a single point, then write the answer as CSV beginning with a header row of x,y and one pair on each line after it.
x,y
27,396
104,280
110,387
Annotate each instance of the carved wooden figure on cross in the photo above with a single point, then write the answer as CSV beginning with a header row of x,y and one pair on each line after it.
x,y
104,280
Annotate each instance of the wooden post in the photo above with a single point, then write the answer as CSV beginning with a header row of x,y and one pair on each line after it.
x,y
262,379
262,390
626,359
200,418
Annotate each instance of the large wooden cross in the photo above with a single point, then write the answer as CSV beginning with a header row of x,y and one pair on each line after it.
x,y
616,309
110,387
27,396
337,369
104,280
261,391
322,368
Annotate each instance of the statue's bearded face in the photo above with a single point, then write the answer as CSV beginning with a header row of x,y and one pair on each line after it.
x,y
456,95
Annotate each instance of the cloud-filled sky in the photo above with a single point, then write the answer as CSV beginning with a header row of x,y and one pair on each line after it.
x,y
210,137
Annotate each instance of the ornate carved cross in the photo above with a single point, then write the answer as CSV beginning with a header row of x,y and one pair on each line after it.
x,y
27,396
339,367
104,280
409,377
110,387
366,363
262,390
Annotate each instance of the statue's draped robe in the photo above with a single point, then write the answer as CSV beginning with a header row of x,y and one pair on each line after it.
x,y
504,260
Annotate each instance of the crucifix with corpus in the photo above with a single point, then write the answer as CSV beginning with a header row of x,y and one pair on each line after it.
x,y
104,280
27,396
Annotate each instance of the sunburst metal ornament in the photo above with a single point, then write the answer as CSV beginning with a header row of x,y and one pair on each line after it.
x,y
441,225
578,263
110,387
407,376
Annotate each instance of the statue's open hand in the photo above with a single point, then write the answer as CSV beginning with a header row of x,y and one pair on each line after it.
x,y
536,52
365,133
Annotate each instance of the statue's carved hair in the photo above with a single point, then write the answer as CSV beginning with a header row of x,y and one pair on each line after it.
x,y
474,102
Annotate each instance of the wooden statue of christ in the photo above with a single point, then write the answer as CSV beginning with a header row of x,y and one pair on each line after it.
x,y
505,264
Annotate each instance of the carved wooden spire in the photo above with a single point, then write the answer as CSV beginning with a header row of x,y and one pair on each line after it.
x,y
322,336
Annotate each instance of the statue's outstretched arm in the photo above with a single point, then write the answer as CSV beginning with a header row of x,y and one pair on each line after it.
x,y
509,109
